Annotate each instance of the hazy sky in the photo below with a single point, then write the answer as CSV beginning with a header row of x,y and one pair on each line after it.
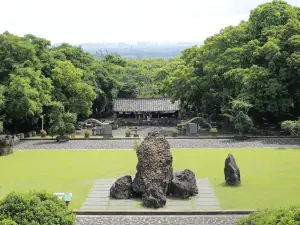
x,y
79,21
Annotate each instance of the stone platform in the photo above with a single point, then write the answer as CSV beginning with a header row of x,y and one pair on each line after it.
x,y
98,199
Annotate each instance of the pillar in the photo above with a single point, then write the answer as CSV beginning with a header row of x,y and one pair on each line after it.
x,y
115,116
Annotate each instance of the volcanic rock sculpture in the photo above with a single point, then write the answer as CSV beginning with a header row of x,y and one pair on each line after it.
x,y
154,175
183,185
154,170
232,171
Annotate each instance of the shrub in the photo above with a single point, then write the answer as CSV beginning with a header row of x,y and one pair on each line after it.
x,y
36,208
6,146
86,133
293,127
7,222
136,145
73,135
127,132
213,130
287,216
174,132
238,115
43,133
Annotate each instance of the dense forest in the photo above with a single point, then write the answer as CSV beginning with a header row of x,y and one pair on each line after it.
x,y
256,62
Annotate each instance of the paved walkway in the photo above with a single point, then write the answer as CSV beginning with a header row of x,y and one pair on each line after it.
x,y
98,199
174,143
155,220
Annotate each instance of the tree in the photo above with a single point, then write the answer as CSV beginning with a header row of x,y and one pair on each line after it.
x,y
61,122
257,61
26,94
69,88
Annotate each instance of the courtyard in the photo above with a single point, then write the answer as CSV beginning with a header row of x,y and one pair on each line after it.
x,y
269,175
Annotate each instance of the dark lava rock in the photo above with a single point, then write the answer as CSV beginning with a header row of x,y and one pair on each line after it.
x,y
122,188
154,198
154,169
183,185
232,171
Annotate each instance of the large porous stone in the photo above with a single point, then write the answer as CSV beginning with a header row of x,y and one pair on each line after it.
x,y
122,188
183,185
154,169
232,171
154,198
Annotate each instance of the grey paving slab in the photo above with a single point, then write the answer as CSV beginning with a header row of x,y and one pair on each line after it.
x,y
122,203
100,195
97,199
121,207
100,192
105,184
207,204
204,195
179,203
91,207
205,200
95,203
155,220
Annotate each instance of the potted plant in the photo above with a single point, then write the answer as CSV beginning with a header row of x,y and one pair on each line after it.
x,y
86,133
127,132
43,133
174,132
214,131
73,135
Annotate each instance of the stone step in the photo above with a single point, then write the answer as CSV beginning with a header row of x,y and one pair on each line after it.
x,y
97,199
101,188
86,203
99,192
100,195
205,199
93,207
203,203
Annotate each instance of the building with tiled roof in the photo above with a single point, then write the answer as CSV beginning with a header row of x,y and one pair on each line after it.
x,y
153,107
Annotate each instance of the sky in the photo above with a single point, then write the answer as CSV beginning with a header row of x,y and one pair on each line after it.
x,y
94,21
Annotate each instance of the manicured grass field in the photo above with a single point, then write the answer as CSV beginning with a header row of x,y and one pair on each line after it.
x,y
270,177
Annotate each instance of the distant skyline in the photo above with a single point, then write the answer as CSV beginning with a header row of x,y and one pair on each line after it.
x,y
94,21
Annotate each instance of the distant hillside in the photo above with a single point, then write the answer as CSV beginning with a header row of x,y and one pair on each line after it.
x,y
140,50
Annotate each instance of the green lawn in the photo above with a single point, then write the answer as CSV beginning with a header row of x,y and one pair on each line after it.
x,y
270,177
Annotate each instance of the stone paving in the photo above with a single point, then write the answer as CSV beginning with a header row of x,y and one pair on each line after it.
x,y
162,220
98,199
174,143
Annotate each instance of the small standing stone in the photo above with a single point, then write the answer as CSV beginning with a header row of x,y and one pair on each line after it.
x,y
232,171
122,188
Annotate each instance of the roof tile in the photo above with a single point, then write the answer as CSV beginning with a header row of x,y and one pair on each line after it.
x,y
145,105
